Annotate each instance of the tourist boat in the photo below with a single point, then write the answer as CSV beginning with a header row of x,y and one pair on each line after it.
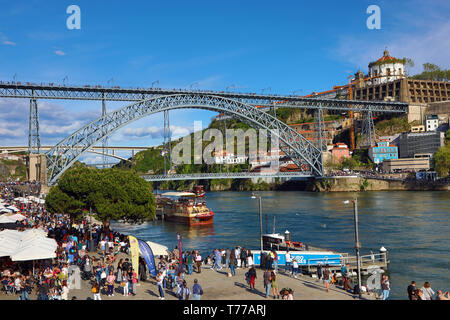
x,y
183,207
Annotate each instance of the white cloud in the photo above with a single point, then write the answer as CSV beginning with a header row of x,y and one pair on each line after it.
x,y
60,53
5,40
154,132
428,45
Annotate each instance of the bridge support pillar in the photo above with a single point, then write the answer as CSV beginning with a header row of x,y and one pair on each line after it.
x,y
37,168
105,141
34,139
368,135
319,132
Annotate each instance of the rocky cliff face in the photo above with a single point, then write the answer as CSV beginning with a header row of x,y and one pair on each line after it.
x,y
4,171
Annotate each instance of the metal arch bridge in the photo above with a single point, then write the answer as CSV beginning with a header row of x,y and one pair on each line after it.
x,y
227,175
294,145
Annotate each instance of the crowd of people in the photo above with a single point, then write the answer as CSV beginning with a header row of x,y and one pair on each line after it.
x,y
426,292
92,251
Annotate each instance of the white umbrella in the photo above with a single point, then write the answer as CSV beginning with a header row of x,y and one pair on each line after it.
x,y
6,219
13,235
40,242
17,217
158,249
33,252
5,210
33,233
13,208
7,247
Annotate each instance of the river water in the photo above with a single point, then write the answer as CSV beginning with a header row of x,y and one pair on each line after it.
x,y
413,226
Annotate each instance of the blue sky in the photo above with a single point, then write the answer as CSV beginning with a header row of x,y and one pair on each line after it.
x,y
252,45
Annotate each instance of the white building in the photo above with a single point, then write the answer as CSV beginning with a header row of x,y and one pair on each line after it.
x,y
229,158
431,122
386,69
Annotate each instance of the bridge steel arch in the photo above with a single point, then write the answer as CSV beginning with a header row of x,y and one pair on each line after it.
x,y
66,152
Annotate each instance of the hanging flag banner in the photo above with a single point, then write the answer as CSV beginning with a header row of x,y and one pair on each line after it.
x,y
149,258
134,248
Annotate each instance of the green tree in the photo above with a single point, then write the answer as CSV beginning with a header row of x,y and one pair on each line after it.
x,y
442,161
433,72
349,163
111,193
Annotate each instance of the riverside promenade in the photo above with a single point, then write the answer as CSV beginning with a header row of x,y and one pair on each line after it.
x,y
217,286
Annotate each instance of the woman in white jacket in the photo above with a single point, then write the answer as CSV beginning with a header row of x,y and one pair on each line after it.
x,y
428,293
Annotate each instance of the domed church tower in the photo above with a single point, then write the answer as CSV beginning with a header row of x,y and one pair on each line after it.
x,y
386,69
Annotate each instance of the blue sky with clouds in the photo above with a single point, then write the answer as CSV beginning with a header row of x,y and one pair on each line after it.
x,y
285,45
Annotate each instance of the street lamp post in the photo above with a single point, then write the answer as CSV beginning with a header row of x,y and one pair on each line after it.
x,y
260,220
357,244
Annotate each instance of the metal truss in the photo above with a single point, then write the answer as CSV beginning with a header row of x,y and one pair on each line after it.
x,y
34,139
319,132
226,175
16,90
167,144
302,152
368,135
105,141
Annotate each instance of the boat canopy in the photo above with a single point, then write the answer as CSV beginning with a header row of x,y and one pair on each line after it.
x,y
178,194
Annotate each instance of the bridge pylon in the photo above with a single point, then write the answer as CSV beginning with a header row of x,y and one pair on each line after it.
x,y
34,139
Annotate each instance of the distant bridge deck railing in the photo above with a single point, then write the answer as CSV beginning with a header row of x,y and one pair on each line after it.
x,y
226,175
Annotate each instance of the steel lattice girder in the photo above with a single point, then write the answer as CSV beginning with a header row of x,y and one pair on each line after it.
x,y
10,90
67,151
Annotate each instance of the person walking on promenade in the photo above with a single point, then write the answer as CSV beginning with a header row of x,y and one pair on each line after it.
x,y
197,290
244,258
142,270
189,262
237,254
64,291
326,277
217,260
411,290
159,281
274,284
294,267
250,258
428,293
275,261
267,281
344,272
184,293
198,261
96,291
319,271
134,281
125,280
385,287
227,258
288,266
110,279
233,262
252,275
119,271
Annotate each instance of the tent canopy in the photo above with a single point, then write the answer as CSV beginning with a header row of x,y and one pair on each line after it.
x,y
158,249
6,219
33,253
